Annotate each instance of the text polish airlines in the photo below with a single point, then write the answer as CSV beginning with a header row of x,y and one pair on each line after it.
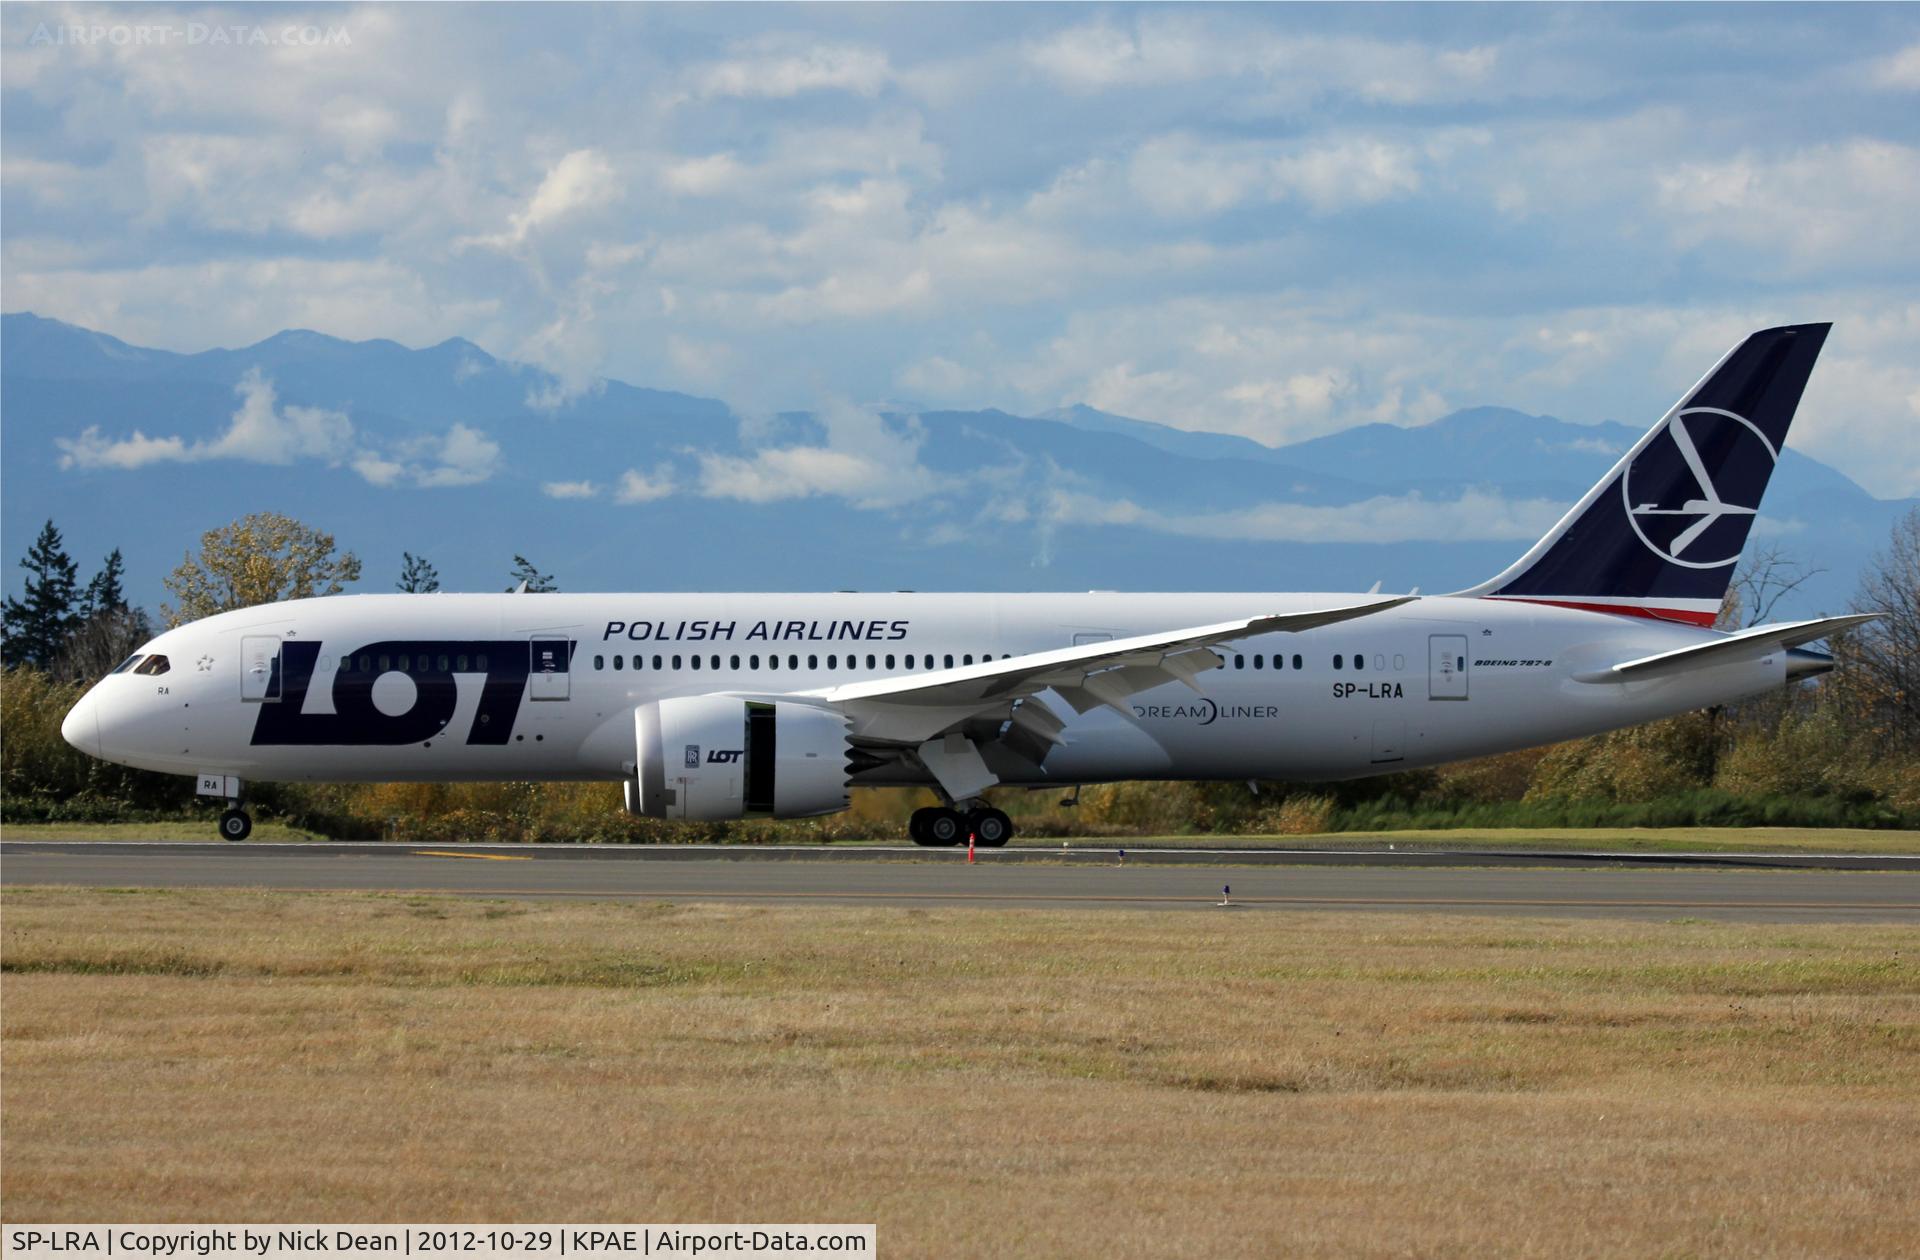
x,y
723,706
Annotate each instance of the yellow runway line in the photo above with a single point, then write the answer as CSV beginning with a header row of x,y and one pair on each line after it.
x,y
485,857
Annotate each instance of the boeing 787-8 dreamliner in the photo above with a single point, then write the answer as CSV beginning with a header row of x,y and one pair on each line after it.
x,y
713,706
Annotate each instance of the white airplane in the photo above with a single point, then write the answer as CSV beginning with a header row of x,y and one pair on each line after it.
x,y
710,706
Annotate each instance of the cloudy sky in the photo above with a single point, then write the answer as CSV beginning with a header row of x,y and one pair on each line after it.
x,y
1275,222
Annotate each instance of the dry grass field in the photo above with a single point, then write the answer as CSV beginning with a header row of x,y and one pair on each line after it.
x,y
977,1082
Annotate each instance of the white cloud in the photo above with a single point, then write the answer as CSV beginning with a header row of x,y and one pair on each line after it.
x,y
1900,70
1178,175
1476,516
783,66
569,489
638,487
1814,206
460,457
865,460
938,376
260,432
583,179
1165,49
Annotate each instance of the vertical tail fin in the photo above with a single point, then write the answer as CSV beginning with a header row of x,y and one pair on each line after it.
x,y
1660,535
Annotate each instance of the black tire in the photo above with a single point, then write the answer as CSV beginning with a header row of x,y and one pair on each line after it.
x,y
235,825
917,827
991,829
944,829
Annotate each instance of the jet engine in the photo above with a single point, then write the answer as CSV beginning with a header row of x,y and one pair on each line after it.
x,y
706,758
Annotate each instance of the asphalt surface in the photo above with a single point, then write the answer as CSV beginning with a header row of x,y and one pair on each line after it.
x,y
1660,888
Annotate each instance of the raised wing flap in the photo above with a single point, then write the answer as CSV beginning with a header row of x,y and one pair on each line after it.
x,y
917,706
1742,645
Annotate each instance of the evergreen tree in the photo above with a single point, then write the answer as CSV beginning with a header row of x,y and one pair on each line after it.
x,y
536,582
107,591
417,577
36,627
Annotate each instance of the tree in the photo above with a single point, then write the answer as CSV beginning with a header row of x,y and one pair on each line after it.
x,y
1765,578
107,591
258,559
36,627
1880,661
101,642
524,572
417,577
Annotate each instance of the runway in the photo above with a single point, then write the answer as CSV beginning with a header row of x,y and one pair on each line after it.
x,y
1664,890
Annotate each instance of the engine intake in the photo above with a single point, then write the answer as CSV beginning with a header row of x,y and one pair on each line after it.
x,y
707,758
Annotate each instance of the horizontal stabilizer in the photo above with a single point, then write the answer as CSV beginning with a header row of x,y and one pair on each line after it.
x,y
1741,646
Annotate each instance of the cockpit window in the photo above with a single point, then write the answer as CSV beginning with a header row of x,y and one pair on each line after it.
x,y
129,663
152,665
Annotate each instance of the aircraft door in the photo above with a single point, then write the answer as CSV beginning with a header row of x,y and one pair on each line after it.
x,y
259,668
1447,667
549,678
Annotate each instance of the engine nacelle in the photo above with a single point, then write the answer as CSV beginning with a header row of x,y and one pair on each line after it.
x,y
706,758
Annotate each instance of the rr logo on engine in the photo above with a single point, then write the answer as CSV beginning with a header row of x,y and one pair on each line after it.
x,y
693,756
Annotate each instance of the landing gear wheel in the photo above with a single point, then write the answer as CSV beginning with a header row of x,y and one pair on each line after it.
x,y
991,828
917,827
945,828
235,824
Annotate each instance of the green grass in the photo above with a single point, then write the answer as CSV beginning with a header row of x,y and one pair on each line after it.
x,y
191,829
1556,839
1561,839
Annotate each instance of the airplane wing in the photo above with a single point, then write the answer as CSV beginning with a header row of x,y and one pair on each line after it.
x,y
1742,645
913,708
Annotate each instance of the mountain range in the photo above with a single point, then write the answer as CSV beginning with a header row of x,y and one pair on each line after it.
x,y
450,453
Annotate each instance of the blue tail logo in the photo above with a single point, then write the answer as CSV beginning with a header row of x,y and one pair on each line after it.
x,y
1673,501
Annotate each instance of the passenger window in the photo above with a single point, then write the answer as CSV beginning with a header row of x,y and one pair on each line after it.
x,y
617,662
753,662
676,662
1339,661
385,663
793,661
694,660
599,662
833,662
1259,661
813,662
443,664
1359,660
479,663
889,660
949,660
460,663
773,662
1379,661
733,662
128,664
1399,661
870,660
326,663
1239,662
152,665
1296,661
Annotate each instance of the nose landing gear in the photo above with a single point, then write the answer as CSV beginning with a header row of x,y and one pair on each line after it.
x,y
235,824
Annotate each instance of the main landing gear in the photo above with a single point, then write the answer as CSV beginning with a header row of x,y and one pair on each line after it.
x,y
945,828
235,823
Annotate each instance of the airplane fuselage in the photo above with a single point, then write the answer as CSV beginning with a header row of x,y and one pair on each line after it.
x,y
530,687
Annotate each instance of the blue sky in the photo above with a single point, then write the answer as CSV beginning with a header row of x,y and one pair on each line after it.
x,y
1274,222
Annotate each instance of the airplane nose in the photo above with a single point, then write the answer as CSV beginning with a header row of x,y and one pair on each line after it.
x,y
82,726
